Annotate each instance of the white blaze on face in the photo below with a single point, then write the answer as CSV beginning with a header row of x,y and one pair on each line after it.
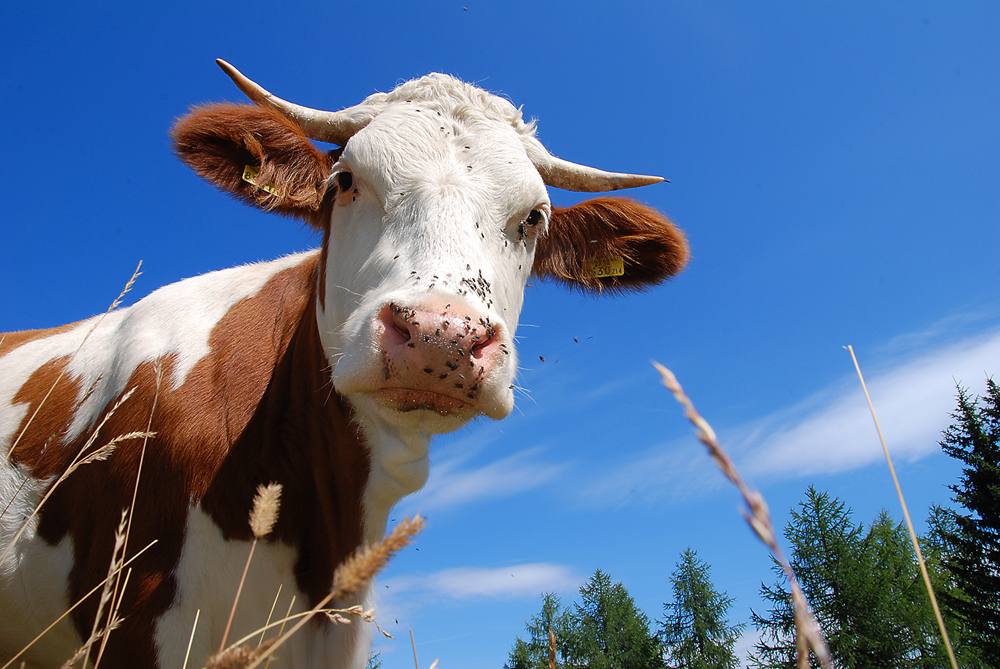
x,y
429,224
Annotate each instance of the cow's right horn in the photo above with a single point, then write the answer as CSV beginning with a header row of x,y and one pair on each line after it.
x,y
580,178
325,126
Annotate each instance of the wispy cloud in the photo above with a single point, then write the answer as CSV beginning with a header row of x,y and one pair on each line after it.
x,y
523,580
913,391
454,482
913,399
675,469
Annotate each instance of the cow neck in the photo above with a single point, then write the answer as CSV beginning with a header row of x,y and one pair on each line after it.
x,y
399,467
300,435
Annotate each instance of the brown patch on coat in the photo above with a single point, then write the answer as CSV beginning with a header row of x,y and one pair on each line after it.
x,y
653,249
12,340
218,141
259,408
47,418
322,221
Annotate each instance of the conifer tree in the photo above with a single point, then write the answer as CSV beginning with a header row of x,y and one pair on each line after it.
x,y
533,653
974,559
696,633
607,631
864,587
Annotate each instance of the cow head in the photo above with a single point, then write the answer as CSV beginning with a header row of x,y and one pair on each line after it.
x,y
434,214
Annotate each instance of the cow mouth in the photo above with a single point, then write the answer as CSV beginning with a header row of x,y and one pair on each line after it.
x,y
408,399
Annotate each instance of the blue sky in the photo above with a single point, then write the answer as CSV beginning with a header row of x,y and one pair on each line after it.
x,y
835,165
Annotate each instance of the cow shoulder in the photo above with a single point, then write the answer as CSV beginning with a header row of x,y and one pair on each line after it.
x,y
604,231
258,156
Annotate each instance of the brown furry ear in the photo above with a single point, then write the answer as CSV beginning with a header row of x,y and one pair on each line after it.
x,y
259,157
587,239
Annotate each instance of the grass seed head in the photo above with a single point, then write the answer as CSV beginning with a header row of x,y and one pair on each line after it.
x,y
266,505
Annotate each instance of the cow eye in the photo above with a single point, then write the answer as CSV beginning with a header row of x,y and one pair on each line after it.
x,y
534,218
345,181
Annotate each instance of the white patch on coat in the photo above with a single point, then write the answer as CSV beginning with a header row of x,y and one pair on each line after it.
x,y
33,578
175,320
208,576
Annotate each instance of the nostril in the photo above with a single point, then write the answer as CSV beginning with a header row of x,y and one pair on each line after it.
x,y
401,329
479,348
397,329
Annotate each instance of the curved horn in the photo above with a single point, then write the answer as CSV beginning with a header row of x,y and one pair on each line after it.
x,y
325,126
570,176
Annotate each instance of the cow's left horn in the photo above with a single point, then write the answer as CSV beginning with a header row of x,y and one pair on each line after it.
x,y
570,176
325,126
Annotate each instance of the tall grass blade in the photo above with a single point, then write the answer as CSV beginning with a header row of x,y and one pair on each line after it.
x,y
906,515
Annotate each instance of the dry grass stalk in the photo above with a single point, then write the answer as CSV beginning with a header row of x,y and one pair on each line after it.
x,y
107,593
808,634
146,436
281,631
78,461
17,440
114,305
266,505
267,622
356,571
73,607
194,628
351,576
238,657
263,516
909,523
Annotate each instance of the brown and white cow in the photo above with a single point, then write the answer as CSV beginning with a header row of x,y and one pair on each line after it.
x,y
327,371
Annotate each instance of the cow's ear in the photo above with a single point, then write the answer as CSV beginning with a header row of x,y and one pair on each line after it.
x,y
257,156
610,243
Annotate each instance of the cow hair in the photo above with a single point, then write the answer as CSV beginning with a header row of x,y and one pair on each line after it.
x,y
652,248
444,93
218,141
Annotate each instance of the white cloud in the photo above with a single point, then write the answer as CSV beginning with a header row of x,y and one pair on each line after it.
x,y
523,580
830,432
834,431
674,469
452,483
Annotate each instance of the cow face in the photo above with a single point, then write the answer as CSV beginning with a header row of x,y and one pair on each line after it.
x,y
429,250
434,214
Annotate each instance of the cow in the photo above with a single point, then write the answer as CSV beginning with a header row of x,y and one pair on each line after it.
x,y
327,372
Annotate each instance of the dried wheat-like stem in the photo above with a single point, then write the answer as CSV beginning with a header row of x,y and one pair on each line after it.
x,y
146,436
413,643
78,460
194,628
269,615
281,631
266,503
909,523
808,634
17,440
352,575
238,657
114,305
106,593
73,607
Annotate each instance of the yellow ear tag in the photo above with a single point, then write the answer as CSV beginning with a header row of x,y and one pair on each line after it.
x,y
608,266
250,174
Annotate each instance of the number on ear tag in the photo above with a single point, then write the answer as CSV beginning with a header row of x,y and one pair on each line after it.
x,y
608,266
250,174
